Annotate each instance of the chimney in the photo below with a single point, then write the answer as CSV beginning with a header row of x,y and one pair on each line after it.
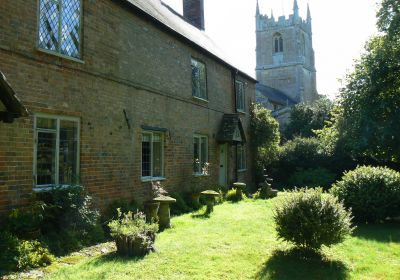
x,y
193,11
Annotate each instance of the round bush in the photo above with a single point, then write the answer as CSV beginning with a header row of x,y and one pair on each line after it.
x,y
372,193
310,219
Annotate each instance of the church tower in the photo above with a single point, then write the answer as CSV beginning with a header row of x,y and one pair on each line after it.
x,y
285,55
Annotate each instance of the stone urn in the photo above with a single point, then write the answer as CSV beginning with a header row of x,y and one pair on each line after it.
x,y
164,216
210,199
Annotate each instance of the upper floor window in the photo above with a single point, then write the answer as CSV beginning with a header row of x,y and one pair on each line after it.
x,y
240,96
152,155
199,79
278,43
60,26
56,150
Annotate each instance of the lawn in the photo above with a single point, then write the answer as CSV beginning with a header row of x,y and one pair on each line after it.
x,y
238,241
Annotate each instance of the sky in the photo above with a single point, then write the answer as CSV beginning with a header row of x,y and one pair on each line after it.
x,y
340,30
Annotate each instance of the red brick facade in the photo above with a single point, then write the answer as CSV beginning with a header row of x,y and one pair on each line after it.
x,y
129,64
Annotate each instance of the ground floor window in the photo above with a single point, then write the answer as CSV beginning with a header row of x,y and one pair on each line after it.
x,y
56,153
241,157
200,154
152,155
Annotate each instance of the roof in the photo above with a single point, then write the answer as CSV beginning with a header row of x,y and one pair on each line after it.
x,y
274,95
165,16
10,106
231,130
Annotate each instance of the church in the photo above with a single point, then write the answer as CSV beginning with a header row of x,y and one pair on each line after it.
x,y
285,64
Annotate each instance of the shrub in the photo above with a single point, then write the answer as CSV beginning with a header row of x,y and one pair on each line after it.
x,y
132,235
373,193
310,219
312,177
8,252
23,221
233,195
32,254
124,205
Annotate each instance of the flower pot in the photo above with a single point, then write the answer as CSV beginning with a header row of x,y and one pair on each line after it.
x,y
126,246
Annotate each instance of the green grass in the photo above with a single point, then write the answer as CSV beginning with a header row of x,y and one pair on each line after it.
x,y
238,241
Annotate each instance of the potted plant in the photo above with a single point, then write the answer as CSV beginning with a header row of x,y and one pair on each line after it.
x,y
133,236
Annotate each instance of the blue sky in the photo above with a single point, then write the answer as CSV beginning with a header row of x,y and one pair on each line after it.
x,y
340,30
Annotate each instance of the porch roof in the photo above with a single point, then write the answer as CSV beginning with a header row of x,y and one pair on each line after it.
x,y
231,130
10,106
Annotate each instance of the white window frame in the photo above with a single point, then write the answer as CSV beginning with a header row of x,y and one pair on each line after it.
x,y
205,97
239,84
200,137
57,159
151,177
241,158
58,52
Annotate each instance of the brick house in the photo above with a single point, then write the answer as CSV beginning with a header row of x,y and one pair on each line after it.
x,y
119,93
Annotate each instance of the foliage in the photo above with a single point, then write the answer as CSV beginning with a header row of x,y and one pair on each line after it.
x,y
32,254
234,196
367,125
129,228
180,206
305,118
124,205
312,177
265,137
310,219
373,193
9,252
21,221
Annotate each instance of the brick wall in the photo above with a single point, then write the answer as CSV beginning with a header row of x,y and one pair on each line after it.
x,y
128,64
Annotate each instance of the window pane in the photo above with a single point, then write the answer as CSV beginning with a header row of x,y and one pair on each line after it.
x,y
196,155
68,157
203,150
199,79
157,155
49,24
46,158
146,155
70,28
46,123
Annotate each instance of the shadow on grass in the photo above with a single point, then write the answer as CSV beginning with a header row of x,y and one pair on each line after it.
x,y
201,216
388,232
113,257
301,264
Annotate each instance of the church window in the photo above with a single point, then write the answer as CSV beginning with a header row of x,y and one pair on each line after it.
x,y
278,43
199,79
60,27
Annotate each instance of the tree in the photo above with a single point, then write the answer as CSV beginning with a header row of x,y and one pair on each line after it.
x,y
368,121
265,138
305,118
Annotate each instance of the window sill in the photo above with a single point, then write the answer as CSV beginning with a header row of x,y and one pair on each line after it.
x,y
47,188
150,179
200,175
200,99
241,112
61,55
242,170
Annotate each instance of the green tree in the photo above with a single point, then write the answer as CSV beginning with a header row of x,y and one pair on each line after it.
x,y
367,124
265,138
305,118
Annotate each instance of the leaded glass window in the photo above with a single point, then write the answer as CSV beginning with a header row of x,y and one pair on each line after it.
x,y
152,155
200,154
240,96
60,26
199,79
278,43
57,151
